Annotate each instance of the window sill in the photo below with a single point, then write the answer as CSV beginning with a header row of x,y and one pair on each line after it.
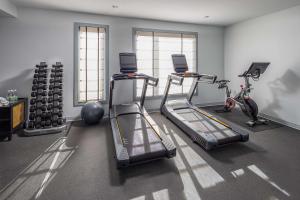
x,y
80,104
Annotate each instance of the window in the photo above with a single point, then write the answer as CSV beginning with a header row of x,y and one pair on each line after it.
x,y
90,63
154,50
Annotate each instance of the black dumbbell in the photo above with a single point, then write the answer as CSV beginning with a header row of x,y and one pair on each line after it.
x,y
55,86
60,121
56,75
38,119
41,106
39,93
38,126
55,70
40,75
42,92
59,106
44,115
50,99
54,92
49,107
40,70
41,65
39,86
39,81
43,123
56,104
34,87
57,97
57,65
32,101
30,125
56,80
42,100
48,115
48,122
31,116
54,118
59,114
39,112
55,111
32,108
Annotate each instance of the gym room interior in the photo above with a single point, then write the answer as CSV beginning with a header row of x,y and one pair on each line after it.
x,y
149,100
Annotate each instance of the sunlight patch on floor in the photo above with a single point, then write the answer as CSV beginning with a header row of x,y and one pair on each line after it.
x,y
262,175
32,181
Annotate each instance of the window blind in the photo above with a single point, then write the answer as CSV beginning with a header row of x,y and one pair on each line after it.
x,y
91,68
154,50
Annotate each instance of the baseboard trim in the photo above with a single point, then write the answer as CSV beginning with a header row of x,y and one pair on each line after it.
x,y
280,121
210,104
75,119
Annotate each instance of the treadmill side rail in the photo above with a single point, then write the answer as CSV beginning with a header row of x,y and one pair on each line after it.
x,y
121,150
169,145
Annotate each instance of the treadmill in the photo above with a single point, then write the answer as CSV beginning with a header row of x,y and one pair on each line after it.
x,y
202,127
137,138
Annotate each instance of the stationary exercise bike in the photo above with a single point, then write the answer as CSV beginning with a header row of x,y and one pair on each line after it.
x,y
246,103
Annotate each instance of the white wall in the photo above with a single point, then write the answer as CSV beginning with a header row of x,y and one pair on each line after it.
x,y
272,38
44,35
8,9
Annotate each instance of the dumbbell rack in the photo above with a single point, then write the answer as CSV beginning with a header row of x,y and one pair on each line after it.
x,y
46,108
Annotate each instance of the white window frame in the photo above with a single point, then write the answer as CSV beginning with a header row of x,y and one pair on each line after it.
x,y
76,101
171,96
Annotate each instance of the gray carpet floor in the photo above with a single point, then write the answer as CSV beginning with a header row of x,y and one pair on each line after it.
x,y
82,166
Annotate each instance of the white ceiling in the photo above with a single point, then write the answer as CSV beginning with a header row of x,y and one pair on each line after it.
x,y
221,12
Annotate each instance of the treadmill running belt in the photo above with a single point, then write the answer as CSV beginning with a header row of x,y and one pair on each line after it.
x,y
141,140
205,125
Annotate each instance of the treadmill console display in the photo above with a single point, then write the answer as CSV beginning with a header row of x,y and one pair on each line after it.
x,y
179,62
128,63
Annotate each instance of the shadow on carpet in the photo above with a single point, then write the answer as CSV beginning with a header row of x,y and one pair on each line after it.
x,y
238,117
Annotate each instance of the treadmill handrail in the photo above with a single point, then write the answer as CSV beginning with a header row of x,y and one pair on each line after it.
x,y
118,77
148,80
207,77
177,79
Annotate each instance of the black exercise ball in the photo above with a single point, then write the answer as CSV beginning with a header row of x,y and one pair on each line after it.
x,y
92,112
